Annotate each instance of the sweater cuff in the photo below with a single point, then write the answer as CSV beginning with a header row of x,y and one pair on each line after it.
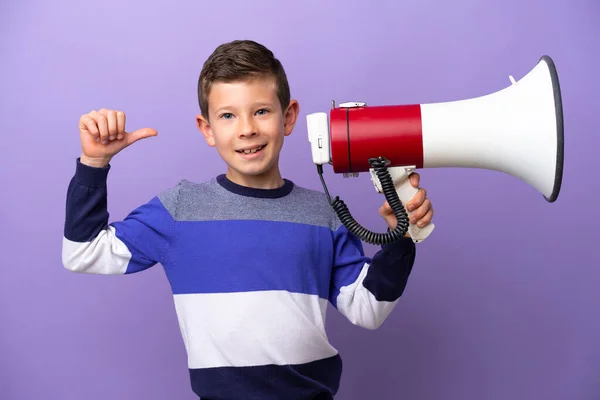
x,y
91,176
403,245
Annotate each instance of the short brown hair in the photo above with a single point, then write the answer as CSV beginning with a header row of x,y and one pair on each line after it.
x,y
241,60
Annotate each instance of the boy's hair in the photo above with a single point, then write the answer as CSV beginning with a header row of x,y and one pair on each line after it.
x,y
241,60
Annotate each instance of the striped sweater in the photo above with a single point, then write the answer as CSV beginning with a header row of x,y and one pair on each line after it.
x,y
252,272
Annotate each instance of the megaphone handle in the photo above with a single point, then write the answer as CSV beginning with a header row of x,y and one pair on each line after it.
x,y
406,191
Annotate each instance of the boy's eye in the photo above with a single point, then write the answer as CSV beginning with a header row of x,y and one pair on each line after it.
x,y
226,115
262,111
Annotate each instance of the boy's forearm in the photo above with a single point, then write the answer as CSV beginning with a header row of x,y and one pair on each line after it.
x,y
92,245
86,204
369,300
390,269
86,216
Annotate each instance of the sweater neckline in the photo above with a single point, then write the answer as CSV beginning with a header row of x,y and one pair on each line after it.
x,y
236,188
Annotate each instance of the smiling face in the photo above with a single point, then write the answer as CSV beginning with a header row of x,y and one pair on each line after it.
x,y
247,126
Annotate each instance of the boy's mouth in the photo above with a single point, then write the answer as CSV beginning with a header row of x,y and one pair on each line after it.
x,y
251,150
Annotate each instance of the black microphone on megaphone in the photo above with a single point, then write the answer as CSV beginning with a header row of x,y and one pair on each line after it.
x,y
517,130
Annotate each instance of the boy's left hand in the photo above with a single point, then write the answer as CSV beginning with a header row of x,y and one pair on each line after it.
x,y
419,205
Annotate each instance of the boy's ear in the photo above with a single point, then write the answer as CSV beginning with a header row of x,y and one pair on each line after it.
x,y
206,130
290,117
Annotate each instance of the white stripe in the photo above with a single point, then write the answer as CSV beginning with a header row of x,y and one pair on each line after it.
x,y
106,254
360,306
252,328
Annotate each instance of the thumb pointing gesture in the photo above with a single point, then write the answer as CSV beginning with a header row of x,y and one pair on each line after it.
x,y
102,134
143,133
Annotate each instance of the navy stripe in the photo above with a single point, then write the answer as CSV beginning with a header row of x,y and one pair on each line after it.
x,y
390,268
271,382
86,209
237,256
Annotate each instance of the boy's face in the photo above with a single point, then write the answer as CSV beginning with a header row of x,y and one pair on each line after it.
x,y
247,126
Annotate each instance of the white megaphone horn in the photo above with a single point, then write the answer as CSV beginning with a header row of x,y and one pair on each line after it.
x,y
517,130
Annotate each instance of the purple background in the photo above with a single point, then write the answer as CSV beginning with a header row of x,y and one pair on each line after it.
x,y
503,302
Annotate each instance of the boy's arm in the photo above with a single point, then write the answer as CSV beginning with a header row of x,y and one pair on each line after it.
x,y
92,245
366,290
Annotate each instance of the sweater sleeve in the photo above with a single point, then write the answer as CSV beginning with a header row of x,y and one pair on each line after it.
x,y
93,245
365,290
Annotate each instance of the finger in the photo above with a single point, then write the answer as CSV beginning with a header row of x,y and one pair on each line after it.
x,y
86,123
111,117
426,218
386,206
415,179
420,212
417,200
385,210
140,134
102,124
120,125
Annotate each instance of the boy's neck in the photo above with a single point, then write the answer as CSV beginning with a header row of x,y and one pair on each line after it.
x,y
273,180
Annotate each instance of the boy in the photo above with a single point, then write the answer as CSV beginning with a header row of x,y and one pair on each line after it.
x,y
252,259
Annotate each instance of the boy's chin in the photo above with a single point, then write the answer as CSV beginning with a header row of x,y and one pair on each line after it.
x,y
253,173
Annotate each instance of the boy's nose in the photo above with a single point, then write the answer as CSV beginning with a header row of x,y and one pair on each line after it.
x,y
248,129
248,133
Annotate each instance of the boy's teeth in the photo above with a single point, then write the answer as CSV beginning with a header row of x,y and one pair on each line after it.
x,y
252,151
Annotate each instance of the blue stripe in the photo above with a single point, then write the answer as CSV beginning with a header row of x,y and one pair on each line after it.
x,y
236,256
270,382
146,232
348,262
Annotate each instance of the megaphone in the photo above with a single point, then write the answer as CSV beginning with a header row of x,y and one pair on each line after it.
x,y
517,130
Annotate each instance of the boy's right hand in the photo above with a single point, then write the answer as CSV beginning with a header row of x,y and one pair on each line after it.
x,y
102,134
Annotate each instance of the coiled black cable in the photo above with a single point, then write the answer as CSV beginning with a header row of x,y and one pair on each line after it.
x,y
380,167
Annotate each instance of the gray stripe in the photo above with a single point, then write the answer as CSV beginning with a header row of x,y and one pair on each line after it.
x,y
209,201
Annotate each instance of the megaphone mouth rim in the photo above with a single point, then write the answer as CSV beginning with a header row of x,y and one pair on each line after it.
x,y
560,140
